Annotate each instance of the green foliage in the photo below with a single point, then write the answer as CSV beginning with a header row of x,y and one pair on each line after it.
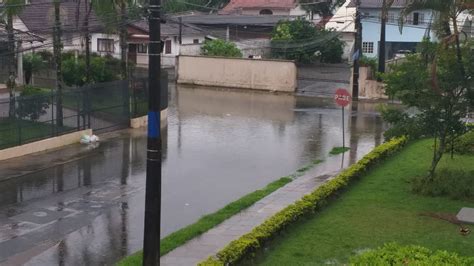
x,y
456,184
395,254
402,124
324,9
438,90
249,243
176,6
464,144
32,64
339,150
33,103
103,69
301,41
220,47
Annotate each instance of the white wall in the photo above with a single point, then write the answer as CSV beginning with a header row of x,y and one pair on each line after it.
x,y
116,39
271,75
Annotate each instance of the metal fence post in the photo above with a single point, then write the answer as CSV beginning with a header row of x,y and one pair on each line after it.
x,y
53,130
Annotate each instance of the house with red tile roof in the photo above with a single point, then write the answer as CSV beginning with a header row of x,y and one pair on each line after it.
x,y
263,7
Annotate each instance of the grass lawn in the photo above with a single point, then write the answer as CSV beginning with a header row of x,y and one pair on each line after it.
x,y
378,209
30,131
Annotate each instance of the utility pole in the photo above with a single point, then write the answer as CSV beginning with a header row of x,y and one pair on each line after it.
x,y
151,239
358,50
383,22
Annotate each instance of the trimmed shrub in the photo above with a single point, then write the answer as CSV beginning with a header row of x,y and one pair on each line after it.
x,y
220,47
249,243
394,254
33,103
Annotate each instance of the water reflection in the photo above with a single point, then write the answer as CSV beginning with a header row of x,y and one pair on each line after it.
x,y
219,145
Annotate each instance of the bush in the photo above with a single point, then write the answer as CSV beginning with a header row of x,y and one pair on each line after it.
x,y
32,63
33,103
220,47
394,254
456,184
301,41
103,69
464,144
249,243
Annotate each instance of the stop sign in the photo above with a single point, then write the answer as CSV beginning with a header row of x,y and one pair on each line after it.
x,y
343,97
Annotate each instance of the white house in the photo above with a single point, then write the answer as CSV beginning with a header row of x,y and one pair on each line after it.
x,y
417,26
343,23
191,40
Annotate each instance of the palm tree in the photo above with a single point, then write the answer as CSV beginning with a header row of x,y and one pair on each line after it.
x,y
85,32
10,9
448,12
115,14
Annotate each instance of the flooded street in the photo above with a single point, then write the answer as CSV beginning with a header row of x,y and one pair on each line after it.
x,y
84,205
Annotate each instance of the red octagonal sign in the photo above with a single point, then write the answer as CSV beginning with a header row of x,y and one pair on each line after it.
x,y
343,97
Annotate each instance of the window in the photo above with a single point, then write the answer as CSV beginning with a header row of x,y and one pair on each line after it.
x,y
196,41
266,12
142,48
368,47
105,45
391,17
168,47
418,18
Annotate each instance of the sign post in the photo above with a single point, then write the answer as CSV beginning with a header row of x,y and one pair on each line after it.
x,y
343,98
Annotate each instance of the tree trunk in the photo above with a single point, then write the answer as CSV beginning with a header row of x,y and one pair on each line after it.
x,y
438,154
58,63
123,40
458,48
11,65
87,38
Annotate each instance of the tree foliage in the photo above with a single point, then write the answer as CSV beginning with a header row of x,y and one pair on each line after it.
x,y
220,47
301,41
32,63
32,104
322,8
103,69
438,92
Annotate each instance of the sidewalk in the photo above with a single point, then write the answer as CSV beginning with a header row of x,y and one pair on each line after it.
x,y
209,243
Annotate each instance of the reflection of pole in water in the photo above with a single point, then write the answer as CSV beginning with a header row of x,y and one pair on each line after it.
x,y
62,253
60,178
125,161
86,172
123,229
378,130
354,134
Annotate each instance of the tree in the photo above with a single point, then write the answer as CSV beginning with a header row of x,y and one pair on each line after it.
x,y
10,9
324,9
116,14
85,32
33,103
301,41
220,47
440,96
32,63
58,47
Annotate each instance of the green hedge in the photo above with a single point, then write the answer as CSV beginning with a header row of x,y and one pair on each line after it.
x,y
395,254
249,243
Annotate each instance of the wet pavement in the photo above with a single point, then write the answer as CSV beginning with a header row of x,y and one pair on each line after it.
x,y
84,205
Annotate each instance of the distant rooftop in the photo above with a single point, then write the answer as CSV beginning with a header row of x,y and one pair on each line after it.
x,y
377,3
235,5
169,29
19,35
242,20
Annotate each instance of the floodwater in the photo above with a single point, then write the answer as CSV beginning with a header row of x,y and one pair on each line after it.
x,y
84,205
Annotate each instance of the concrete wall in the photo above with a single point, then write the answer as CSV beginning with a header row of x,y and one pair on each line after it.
x,y
43,145
370,88
269,75
143,120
